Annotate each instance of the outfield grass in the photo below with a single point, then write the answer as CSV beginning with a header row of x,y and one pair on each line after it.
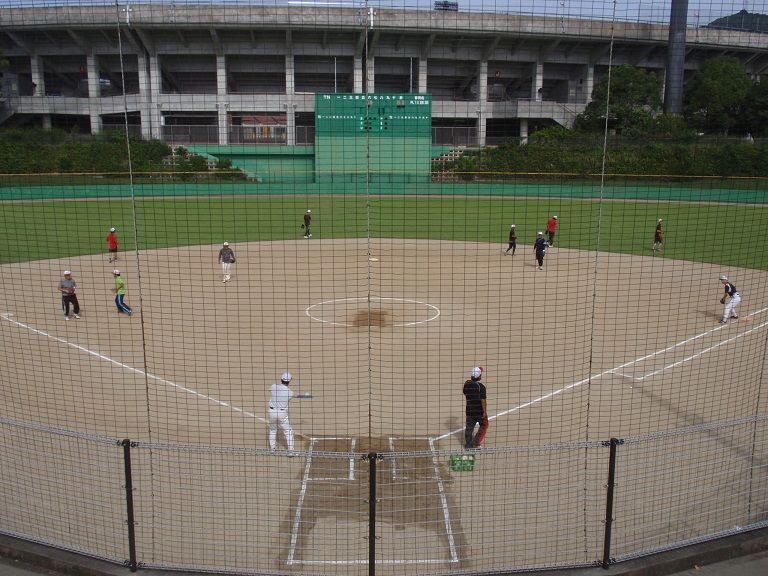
x,y
733,235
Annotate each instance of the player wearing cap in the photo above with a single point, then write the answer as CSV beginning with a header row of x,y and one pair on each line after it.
x,y
658,235
307,224
68,287
735,298
112,244
476,412
226,258
551,229
512,240
119,291
540,249
279,397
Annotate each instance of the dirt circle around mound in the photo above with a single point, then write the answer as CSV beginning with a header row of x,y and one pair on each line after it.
x,y
373,311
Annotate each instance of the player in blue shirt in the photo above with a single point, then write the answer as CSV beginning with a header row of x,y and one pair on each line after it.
x,y
540,248
735,298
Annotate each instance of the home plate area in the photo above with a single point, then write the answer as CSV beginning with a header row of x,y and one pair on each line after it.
x,y
330,523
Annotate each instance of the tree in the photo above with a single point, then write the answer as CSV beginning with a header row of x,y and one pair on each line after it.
x,y
635,102
714,97
755,114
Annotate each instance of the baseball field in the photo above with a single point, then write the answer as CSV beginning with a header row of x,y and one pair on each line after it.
x,y
380,316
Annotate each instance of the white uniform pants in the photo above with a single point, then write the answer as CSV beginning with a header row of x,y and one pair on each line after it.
x,y
226,269
730,308
279,418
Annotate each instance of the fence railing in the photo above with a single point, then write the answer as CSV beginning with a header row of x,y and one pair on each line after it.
x,y
319,510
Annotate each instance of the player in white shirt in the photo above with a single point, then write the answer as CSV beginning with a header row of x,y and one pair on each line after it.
x,y
279,397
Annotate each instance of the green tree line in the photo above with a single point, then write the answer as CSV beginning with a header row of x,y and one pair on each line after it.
x,y
38,151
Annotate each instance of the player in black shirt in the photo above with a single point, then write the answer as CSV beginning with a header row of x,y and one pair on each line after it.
x,y
307,224
512,240
474,392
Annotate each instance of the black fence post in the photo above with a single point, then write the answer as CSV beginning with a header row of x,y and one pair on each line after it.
x,y
372,457
612,443
132,564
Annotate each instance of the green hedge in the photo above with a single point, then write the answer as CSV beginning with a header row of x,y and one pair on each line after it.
x,y
583,155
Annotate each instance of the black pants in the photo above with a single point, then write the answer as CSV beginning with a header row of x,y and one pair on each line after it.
x,y
66,300
513,247
471,440
551,238
540,258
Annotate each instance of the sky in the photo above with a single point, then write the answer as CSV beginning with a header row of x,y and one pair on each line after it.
x,y
700,12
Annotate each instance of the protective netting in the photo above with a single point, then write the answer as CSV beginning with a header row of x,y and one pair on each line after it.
x,y
196,199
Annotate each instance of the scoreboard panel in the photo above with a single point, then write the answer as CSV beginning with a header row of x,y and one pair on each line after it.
x,y
385,137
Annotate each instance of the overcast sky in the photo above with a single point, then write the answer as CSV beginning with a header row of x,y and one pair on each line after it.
x,y
700,12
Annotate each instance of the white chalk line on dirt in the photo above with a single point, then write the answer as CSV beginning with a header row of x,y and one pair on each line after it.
x,y
616,369
211,399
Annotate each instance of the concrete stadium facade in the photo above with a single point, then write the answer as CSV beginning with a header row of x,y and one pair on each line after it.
x,y
239,74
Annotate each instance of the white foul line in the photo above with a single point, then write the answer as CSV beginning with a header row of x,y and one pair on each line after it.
x,y
573,385
134,370
701,353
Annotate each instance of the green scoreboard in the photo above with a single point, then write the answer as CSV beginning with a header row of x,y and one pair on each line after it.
x,y
379,137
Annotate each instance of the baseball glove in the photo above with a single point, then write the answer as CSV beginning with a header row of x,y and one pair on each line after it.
x,y
722,300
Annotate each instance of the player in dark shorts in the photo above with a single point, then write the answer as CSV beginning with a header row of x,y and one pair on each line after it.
x,y
540,248
476,412
512,240
658,236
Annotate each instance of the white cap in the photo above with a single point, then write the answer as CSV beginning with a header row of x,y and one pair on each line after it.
x,y
555,217
540,234
477,371
226,243
309,211
660,220
116,272
286,377
723,276
67,272
112,229
512,226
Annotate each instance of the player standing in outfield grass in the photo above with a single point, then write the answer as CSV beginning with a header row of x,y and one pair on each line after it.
x,y
735,298
512,240
476,411
551,229
68,287
227,258
540,248
658,235
112,244
119,291
279,397
307,224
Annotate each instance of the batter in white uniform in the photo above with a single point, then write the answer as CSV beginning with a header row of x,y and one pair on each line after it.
x,y
279,397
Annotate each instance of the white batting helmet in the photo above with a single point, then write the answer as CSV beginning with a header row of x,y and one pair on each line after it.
x,y
512,226
226,243
112,229
116,272
309,211
286,377
477,371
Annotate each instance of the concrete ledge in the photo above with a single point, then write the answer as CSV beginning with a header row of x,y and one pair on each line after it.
x,y
40,557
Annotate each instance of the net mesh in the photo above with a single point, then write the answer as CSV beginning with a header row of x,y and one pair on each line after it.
x,y
352,193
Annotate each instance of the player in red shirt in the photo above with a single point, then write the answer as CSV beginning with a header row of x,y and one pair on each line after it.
x,y
112,244
551,229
